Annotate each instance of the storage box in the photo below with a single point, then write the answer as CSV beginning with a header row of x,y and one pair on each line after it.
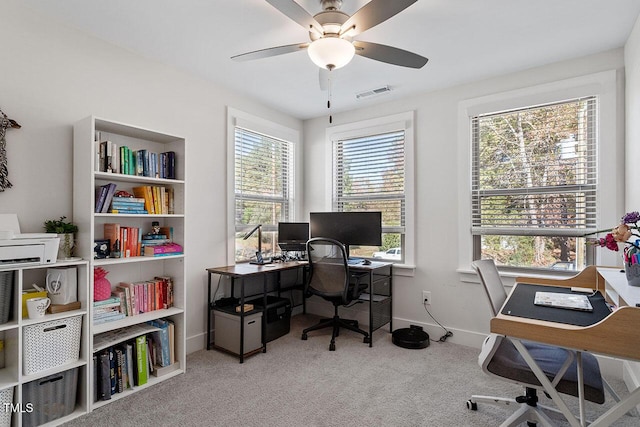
x,y
50,344
6,398
52,397
227,331
277,316
6,292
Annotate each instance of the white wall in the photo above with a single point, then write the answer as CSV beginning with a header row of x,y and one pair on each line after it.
x,y
52,76
458,304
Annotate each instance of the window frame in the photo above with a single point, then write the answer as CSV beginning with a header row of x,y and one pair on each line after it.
x,y
237,118
610,185
396,122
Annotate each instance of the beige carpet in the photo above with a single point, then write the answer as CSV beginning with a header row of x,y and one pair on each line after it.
x,y
302,383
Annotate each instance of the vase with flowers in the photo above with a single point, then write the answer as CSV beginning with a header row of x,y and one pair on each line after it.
x,y
628,233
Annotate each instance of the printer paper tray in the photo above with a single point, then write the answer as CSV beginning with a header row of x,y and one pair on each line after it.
x,y
20,255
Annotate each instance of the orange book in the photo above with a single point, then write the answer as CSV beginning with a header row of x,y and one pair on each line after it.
x,y
112,232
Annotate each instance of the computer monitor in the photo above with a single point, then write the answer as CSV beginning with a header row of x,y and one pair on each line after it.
x,y
293,236
349,228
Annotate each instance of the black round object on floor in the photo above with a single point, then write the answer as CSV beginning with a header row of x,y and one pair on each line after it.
x,y
412,337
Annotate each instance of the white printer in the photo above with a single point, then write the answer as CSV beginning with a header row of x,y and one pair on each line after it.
x,y
20,249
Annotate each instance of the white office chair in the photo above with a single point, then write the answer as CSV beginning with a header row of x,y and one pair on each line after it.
x,y
501,359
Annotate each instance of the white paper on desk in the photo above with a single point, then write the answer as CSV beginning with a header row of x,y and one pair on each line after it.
x,y
559,300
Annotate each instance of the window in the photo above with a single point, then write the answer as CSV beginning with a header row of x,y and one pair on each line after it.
x,y
534,184
370,173
263,185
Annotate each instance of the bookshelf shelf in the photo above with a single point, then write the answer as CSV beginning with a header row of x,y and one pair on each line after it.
x,y
91,171
135,320
135,259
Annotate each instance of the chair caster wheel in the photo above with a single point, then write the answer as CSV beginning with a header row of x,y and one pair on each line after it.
x,y
366,340
332,347
473,406
304,337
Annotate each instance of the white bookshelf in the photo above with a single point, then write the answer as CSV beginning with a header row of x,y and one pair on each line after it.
x,y
138,268
13,375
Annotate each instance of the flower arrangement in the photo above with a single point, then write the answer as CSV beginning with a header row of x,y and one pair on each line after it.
x,y
627,228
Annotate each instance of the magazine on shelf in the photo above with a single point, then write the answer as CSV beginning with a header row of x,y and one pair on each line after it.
x,y
559,300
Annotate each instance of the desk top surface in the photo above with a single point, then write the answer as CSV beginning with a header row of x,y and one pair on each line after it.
x,y
616,335
247,269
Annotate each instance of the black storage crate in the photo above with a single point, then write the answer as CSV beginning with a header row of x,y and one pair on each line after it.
x,y
277,315
52,397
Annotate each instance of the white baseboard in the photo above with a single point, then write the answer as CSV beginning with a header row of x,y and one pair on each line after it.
x,y
196,342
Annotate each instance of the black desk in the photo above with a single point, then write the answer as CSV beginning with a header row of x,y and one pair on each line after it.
x,y
379,293
238,273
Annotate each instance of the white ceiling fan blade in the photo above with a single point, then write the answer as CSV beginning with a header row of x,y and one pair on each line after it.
x,y
372,14
390,55
296,12
272,51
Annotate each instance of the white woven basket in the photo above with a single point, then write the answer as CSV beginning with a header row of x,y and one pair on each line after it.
x,y
50,344
6,398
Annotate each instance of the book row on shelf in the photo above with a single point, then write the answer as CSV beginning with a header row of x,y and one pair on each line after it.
x,y
146,199
112,158
123,242
134,298
129,364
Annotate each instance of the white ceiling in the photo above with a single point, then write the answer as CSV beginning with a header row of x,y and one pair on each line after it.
x,y
465,40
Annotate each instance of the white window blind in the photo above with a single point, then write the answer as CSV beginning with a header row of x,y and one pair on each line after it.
x,y
263,179
534,170
369,175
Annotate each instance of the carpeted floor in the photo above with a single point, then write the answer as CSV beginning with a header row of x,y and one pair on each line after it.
x,y
302,383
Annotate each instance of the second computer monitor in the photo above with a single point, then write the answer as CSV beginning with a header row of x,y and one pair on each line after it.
x,y
349,228
293,236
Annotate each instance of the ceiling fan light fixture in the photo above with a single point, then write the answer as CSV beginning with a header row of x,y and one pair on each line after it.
x,y
331,52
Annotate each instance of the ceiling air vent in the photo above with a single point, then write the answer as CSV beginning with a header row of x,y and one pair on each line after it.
x,y
373,92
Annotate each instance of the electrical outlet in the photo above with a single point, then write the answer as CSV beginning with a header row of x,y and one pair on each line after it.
x,y
426,297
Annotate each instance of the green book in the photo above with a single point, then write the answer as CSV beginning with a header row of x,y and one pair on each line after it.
x,y
141,359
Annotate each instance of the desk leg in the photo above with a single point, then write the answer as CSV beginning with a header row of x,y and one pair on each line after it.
x,y
562,406
209,314
264,311
580,388
618,410
371,308
241,319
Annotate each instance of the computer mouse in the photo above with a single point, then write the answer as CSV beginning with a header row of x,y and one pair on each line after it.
x,y
366,262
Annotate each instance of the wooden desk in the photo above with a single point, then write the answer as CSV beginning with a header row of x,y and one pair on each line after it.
x,y
238,273
617,335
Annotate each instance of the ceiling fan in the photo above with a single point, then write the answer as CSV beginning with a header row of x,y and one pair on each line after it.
x,y
331,32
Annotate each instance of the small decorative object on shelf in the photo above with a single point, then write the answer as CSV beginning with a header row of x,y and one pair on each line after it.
x,y
626,232
101,285
66,230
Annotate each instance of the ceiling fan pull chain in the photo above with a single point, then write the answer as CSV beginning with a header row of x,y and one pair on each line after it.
x,y
329,100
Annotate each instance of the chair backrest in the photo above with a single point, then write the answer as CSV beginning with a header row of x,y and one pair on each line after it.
x,y
490,278
328,269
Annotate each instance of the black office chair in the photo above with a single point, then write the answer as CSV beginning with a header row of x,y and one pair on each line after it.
x,y
330,278
500,358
